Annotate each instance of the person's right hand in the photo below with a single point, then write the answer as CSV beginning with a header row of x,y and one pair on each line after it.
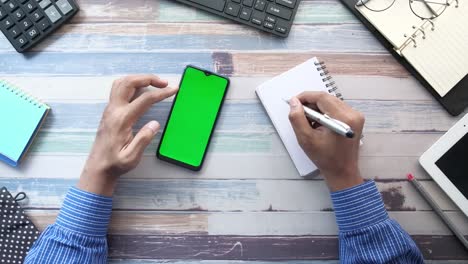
x,y
336,156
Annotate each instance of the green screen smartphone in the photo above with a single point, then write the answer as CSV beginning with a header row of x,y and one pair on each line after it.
x,y
193,117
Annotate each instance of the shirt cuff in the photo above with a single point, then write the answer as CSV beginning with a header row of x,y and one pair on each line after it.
x,y
358,207
85,213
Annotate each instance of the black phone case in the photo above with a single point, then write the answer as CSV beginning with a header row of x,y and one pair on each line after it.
x,y
454,102
177,162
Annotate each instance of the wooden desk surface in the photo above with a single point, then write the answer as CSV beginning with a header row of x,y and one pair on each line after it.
x,y
249,202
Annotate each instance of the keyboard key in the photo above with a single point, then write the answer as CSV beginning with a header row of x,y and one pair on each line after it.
x,y
30,6
232,9
32,33
281,27
268,25
64,6
237,1
14,31
258,17
44,24
246,14
25,24
7,23
37,15
270,19
2,13
11,6
45,3
53,14
18,14
287,3
213,4
279,11
260,5
248,3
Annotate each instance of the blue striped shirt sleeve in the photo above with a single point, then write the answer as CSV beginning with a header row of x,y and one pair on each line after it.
x,y
366,233
79,233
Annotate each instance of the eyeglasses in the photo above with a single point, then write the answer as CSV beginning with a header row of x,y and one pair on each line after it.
x,y
424,9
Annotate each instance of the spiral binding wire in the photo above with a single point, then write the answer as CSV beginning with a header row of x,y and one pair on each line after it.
x,y
328,80
21,93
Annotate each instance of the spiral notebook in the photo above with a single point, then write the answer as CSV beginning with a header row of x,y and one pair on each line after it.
x,y
309,76
436,48
21,116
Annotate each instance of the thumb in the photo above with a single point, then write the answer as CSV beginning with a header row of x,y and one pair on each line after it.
x,y
143,138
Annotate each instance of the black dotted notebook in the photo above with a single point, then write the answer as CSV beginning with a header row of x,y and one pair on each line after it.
x,y
17,232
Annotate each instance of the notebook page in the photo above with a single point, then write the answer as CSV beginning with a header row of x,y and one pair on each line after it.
x,y
19,119
442,58
304,77
394,22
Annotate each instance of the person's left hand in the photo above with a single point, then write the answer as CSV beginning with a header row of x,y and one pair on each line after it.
x,y
116,149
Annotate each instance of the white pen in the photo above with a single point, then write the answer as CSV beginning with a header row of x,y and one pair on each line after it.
x,y
334,125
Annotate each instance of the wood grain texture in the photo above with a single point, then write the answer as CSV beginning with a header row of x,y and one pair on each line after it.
x,y
259,248
248,205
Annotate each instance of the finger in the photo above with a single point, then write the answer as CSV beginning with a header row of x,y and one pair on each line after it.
x,y
125,88
142,139
299,122
142,103
324,102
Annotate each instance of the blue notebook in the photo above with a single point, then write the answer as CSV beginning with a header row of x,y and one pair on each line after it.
x,y
20,118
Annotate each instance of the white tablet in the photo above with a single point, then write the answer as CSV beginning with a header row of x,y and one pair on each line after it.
x,y
447,162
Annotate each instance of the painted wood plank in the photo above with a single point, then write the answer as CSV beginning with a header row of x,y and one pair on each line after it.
x,y
259,248
249,116
250,64
139,261
97,88
237,64
225,195
86,64
139,11
217,166
202,37
251,224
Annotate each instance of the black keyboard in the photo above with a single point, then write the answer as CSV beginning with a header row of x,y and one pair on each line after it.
x,y
274,16
27,22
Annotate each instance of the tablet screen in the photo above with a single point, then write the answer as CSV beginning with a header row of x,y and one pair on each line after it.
x,y
454,164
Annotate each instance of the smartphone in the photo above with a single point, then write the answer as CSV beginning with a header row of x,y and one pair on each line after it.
x,y
193,118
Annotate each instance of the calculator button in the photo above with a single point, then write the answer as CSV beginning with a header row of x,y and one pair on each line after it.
x,y
3,1
53,14
21,40
11,6
18,14
64,6
23,1
32,33
30,6
45,3
37,15
7,23
43,24
14,31
25,24
2,13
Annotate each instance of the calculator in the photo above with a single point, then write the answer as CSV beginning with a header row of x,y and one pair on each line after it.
x,y
25,23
